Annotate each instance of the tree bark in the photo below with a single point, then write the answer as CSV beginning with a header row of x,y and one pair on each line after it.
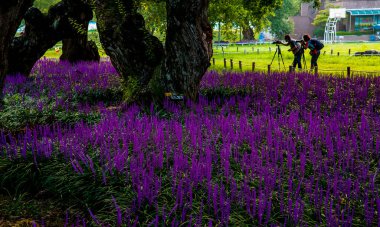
x,y
248,33
11,13
188,45
80,49
76,47
134,52
42,32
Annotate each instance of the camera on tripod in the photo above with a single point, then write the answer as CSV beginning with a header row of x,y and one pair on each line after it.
x,y
277,42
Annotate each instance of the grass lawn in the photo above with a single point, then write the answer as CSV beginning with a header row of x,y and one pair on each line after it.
x,y
262,56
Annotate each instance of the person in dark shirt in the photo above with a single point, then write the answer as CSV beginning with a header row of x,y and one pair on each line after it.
x,y
295,48
314,52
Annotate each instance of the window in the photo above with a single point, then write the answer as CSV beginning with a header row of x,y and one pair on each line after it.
x,y
364,23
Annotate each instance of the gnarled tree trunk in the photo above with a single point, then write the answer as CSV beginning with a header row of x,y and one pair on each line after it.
x,y
138,56
76,46
79,49
188,45
134,52
11,13
42,32
248,33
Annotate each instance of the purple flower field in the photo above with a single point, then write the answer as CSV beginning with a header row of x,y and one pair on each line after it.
x,y
257,149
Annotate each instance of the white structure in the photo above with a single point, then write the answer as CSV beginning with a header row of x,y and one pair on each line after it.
x,y
330,29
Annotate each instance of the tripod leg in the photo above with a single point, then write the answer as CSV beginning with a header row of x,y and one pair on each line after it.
x,y
283,63
280,57
274,57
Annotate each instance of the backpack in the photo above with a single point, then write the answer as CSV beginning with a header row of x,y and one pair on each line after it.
x,y
318,44
297,46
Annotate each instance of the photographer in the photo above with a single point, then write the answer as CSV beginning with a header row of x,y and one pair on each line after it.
x,y
296,49
315,46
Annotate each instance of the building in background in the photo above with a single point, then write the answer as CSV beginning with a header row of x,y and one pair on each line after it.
x,y
303,22
362,16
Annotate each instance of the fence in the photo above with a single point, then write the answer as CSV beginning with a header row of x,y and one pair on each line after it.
x,y
229,65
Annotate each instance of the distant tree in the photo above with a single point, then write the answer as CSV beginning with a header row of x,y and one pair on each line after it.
x,y
280,24
226,15
257,14
154,14
321,19
44,5
239,13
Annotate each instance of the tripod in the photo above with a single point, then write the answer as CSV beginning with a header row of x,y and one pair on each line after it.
x,y
279,55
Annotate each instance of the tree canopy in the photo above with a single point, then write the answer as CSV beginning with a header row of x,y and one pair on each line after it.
x,y
44,5
321,19
280,24
256,14
154,13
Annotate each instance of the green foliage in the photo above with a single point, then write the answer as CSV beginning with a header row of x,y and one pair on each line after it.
x,y
121,8
155,84
236,14
19,112
56,180
77,26
257,14
227,12
230,33
44,5
359,33
261,10
154,14
321,20
280,23
130,89
109,96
